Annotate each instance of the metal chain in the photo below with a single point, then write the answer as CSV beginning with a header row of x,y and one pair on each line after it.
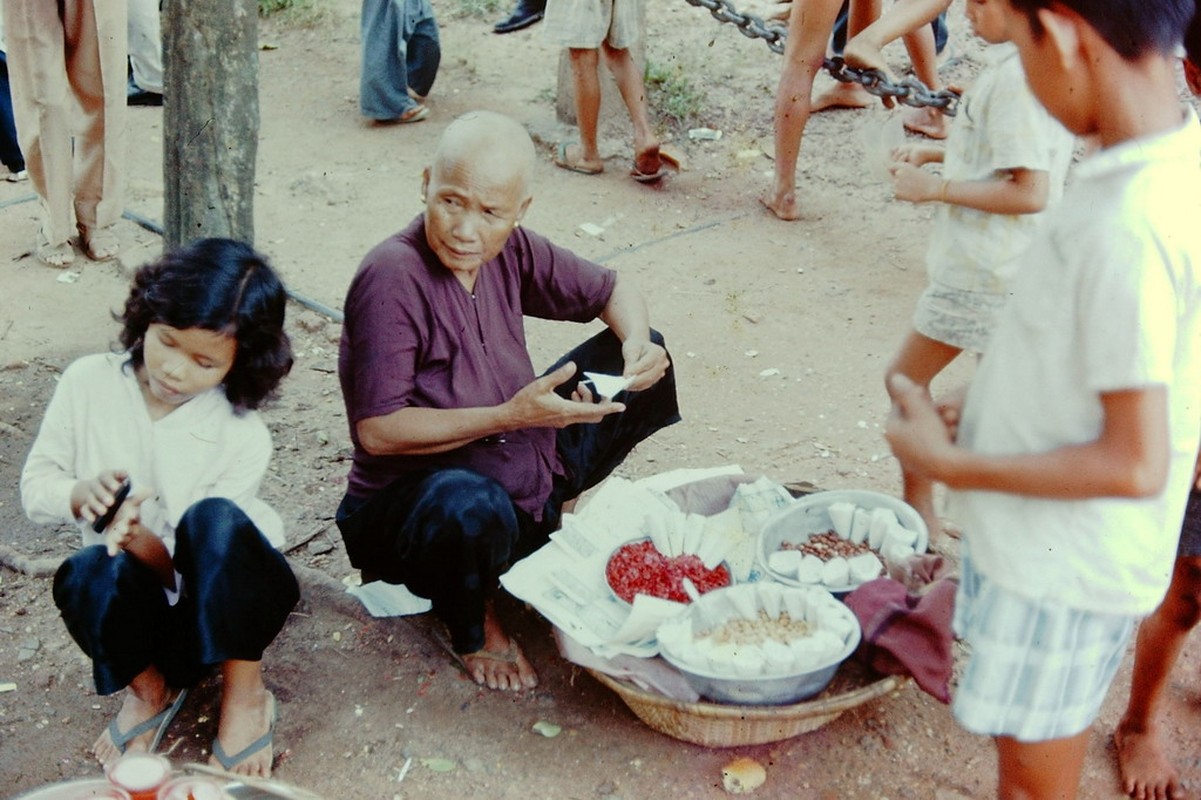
x,y
910,91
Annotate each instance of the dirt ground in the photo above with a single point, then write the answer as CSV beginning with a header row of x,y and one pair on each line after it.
x,y
780,334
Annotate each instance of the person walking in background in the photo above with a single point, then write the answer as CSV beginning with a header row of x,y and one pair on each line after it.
x,y
401,53
10,149
145,87
66,65
586,27
525,14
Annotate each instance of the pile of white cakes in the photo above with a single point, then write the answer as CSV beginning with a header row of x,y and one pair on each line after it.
x,y
839,540
760,643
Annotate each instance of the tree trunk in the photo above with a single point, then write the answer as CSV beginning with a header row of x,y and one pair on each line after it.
x,y
211,119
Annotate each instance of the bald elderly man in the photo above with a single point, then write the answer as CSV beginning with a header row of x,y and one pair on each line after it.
x,y
463,456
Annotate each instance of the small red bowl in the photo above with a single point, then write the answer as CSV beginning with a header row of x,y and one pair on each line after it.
x,y
637,567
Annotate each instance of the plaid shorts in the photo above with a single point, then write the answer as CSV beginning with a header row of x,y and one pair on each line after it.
x,y
584,24
1038,671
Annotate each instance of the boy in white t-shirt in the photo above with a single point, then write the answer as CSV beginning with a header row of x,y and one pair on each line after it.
x,y
1075,450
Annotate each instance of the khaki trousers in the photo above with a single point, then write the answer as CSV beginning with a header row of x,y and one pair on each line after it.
x,y
66,61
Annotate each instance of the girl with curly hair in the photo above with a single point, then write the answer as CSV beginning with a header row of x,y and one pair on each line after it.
x,y
157,453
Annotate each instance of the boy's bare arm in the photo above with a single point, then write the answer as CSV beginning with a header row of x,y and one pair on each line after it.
x,y
1128,459
918,154
1015,191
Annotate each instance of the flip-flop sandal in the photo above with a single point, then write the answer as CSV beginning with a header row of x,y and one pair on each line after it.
x,y
648,177
414,114
653,156
59,256
562,160
158,723
228,762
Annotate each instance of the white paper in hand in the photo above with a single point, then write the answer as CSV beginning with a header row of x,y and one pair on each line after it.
x,y
608,386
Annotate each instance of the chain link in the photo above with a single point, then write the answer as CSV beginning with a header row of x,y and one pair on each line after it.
x,y
910,91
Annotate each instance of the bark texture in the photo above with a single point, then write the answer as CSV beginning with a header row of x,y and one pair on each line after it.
x,y
211,119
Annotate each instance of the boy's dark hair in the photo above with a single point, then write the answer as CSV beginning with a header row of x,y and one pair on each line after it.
x,y
1133,28
1192,38
218,285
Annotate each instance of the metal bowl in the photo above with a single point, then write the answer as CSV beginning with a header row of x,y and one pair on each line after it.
x,y
769,688
809,515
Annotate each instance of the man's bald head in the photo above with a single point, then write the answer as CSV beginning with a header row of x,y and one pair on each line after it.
x,y
491,144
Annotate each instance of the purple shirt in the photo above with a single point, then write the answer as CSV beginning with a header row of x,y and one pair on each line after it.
x,y
414,336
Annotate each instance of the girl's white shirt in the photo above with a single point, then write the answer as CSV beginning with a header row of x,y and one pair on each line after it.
x,y
97,420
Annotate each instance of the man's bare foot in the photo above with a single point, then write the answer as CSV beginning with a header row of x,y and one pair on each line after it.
x,y
927,121
1147,774
134,711
841,95
783,205
243,745
500,664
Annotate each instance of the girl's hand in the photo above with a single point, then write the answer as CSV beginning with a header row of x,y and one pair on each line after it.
x,y
126,524
91,498
914,184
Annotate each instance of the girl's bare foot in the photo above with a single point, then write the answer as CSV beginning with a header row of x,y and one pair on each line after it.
x,y
500,664
243,745
135,709
1146,770
782,204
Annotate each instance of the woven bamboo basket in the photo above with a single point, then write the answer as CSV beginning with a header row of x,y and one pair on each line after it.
x,y
719,725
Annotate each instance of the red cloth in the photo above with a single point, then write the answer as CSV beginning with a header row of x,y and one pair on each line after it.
x,y
906,633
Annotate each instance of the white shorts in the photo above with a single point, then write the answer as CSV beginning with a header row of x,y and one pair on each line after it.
x,y
585,24
1037,671
957,317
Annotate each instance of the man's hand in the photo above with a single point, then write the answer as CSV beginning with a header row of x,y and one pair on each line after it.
x,y
916,431
645,363
538,406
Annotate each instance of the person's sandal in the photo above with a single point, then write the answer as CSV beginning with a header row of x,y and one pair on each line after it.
x,y
59,256
100,244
